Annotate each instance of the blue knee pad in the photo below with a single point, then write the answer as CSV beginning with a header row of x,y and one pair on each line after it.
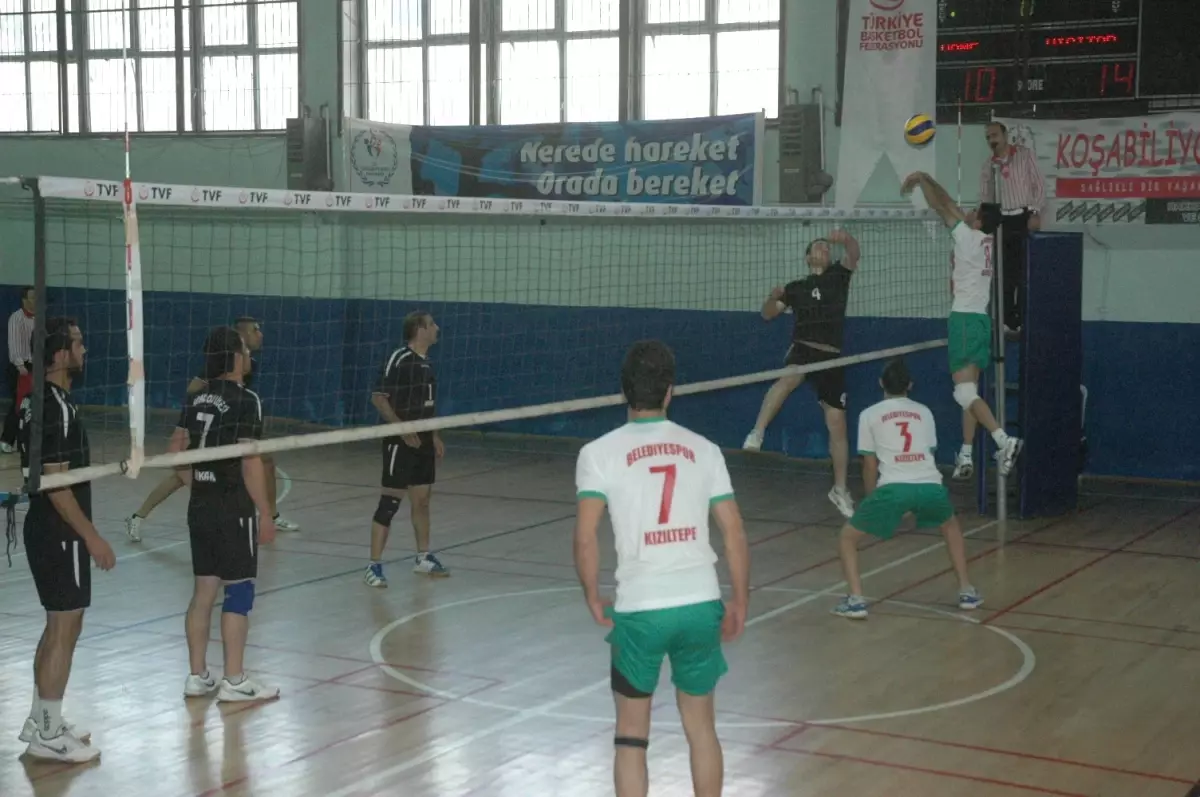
x,y
239,598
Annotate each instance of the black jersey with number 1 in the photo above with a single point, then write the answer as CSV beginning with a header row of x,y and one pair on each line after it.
x,y
819,304
223,413
409,382
64,441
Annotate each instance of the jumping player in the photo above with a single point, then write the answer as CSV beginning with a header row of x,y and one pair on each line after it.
x,y
970,325
897,438
407,391
660,482
222,524
60,539
819,304
251,332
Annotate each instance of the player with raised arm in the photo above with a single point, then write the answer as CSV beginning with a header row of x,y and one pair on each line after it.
x,y
251,331
660,481
897,438
60,542
818,302
407,391
969,326
229,515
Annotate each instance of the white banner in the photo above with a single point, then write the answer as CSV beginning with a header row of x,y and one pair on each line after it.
x,y
377,157
891,67
1131,170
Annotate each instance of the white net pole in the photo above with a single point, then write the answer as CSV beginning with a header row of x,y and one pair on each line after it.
x,y
1000,341
133,292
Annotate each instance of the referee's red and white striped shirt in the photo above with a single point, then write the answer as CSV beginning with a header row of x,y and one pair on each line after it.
x,y
1021,183
20,338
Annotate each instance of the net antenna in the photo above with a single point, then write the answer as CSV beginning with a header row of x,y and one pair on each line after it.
x,y
537,256
136,379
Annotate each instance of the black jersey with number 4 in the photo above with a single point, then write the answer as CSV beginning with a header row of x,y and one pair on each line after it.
x,y
64,441
819,304
408,380
223,413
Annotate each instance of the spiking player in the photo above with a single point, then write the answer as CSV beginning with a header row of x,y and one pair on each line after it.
x,y
969,325
407,391
897,438
660,482
60,541
222,524
819,304
251,331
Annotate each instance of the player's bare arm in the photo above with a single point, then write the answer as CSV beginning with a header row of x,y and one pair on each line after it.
x,y
179,442
870,472
773,306
255,476
383,403
935,196
850,244
737,554
64,503
587,555
196,385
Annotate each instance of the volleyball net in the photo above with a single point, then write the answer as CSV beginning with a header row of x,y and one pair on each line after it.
x,y
536,301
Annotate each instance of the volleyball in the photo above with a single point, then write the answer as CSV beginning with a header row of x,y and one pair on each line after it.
x,y
919,130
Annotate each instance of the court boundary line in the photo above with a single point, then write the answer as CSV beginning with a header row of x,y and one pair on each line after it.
x,y
435,751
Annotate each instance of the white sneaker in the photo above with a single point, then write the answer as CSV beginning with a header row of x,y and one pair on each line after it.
x,y
133,528
64,747
30,729
199,685
283,524
6,448
842,499
754,441
964,467
1007,456
248,690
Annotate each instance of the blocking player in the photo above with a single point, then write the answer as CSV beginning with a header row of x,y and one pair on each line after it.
x,y
251,331
407,391
819,304
969,325
897,438
60,542
660,481
223,528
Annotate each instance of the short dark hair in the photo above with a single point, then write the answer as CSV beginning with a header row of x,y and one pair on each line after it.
x,y
1001,125
28,289
246,319
58,337
989,217
808,249
896,379
414,321
220,348
647,374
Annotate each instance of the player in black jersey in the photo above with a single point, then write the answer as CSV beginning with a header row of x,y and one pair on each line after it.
x,y
228,515
251,331
60,543
407,391
818,303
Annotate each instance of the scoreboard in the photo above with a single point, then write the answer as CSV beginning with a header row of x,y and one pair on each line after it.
x,y
1066,57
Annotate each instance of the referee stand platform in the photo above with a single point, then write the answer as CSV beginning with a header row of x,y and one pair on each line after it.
x,y
1036,385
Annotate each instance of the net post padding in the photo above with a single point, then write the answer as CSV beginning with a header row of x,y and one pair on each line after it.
x,y
359,434
248,200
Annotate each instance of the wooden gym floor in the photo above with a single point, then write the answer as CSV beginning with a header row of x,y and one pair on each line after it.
x,y
1077,678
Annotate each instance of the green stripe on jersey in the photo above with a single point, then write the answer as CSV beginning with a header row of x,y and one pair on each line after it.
x,y
591,494
719,498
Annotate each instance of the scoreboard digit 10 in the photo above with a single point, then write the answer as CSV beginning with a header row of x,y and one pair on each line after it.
x,y
1001,55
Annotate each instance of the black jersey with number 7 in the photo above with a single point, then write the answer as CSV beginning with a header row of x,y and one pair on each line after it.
x,y
223,413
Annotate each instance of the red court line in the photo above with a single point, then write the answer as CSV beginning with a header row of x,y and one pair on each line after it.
x,y
1098,549
1089,564
814,566
1121,623
777,535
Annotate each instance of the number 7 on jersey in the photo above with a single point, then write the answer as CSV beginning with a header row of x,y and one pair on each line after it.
x,y
668,492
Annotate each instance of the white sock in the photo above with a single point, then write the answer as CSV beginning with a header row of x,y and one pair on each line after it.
x,y
51,720
967,451
1001,437
203,676
234,680
35,711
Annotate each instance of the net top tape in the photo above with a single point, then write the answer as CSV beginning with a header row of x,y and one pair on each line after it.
x,y
233,198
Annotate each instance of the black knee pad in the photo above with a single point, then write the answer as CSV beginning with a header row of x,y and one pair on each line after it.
x,y
628,741
389,505
621,685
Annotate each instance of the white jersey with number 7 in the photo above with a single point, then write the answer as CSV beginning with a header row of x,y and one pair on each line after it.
x,y
659,481
902,435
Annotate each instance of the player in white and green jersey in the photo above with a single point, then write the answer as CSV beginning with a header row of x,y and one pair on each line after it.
x,y
970,325
897,438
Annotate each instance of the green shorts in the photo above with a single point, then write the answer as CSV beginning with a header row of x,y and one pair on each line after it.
x,y
689,635
880,512
970,340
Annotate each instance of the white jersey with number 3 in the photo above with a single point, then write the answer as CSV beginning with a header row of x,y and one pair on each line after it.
x,y
972,260
902,435
659,481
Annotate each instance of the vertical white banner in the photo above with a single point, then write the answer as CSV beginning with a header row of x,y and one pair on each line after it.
x,y
378,157
891,67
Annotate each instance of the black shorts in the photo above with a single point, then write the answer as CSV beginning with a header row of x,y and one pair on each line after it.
x,y
224,544
829,383
61,567
405,466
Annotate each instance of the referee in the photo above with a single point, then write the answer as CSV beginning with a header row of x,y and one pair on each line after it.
x,y
1022,197
19,365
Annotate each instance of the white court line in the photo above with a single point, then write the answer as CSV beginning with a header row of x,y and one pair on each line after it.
x,y
285,488
439,750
